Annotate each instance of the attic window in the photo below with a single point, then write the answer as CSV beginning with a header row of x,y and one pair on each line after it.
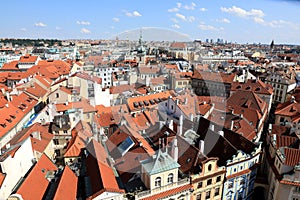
x,y
141,103
3,125
248,88
257,89
9,120
238,87
188,160
146,102
12,116
135,104
151,101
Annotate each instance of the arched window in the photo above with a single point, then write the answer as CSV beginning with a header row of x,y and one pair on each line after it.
x,y
157,182
170,178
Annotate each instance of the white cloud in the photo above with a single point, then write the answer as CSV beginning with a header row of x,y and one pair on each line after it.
x,y
258,20
173,10
206,27
112,27
203,9
190,7
40,24
23,29
281,24
174,20
115,19
133,14
85,31
83,23
179,5
176,26
180,16
191,18
243,13
224,20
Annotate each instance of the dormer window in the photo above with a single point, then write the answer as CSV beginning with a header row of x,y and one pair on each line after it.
x,y
170,178
157,182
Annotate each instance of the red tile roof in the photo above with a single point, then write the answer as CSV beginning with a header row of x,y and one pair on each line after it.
x,y
181,45
36,183
28,59
131,102
99,171
169,193
292,156
256,86
214,76
10,66
76,144
67,187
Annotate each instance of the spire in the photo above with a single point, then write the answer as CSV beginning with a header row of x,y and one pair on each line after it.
x,y
141,37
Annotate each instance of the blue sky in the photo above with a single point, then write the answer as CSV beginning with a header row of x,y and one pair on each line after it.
x,y
242,21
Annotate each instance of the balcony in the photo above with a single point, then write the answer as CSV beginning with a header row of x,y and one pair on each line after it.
x,y
182,182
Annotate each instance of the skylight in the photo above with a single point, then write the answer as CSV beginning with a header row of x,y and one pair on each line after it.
x,y
126,145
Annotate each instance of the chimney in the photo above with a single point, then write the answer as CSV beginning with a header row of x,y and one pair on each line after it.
x,y
8,96
170,124
180,124
185,101
231,124
212,127
36,135
221,133
175,150
201,146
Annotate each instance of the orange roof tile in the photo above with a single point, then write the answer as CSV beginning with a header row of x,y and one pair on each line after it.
x,y
74,147
214,76
10,66
136,103
292,156
168,193
99,171
36,183
67,187
28,59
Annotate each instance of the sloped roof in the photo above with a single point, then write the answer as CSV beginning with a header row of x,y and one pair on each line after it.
x,y
67,187
35,184
159,163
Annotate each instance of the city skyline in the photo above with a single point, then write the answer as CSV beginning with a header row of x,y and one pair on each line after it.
x,y
234,21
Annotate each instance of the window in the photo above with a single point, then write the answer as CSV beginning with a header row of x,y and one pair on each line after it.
x,y
297,189
209,181
207,195
157,182
170,178
217,191
57,152
198,197
57,95
55,141
218,178
209,167
230,185
200,185
65,131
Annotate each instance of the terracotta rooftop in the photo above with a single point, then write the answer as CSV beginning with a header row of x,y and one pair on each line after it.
x,y
35,184
136,103
292,156
28,59
256,86
101,174
214,76
67,187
